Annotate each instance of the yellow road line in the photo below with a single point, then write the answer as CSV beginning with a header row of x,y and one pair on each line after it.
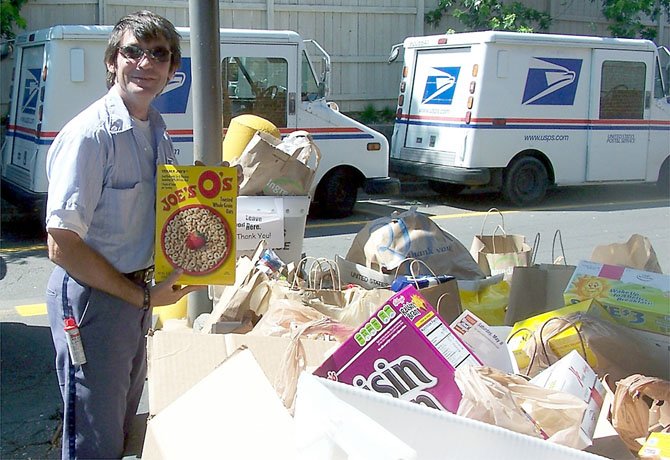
x,y
35,247
436,217
36,309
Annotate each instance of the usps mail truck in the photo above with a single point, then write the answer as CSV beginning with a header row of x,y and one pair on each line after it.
x,y
525,112
59,71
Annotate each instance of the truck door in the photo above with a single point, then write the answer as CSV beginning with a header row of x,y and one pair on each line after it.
x,y
431,130
28,114
619,113
260,80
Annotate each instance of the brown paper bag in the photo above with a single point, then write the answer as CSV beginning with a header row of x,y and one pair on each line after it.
x,y
618,351
633,416
511,402
388,241
539,287
636,253
444,297
270,170
500,251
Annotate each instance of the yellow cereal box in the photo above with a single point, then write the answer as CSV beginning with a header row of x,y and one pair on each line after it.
x,y
563,342
195,223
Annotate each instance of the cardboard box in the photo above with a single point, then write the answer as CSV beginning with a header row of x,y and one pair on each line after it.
x,y
572,375
225,414
280,221
404,350
195,221
440,435
483,340
177,360
561,344
634,298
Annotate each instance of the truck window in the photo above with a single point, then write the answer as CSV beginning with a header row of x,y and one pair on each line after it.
x,y
310,88
622,90
662,74
255,85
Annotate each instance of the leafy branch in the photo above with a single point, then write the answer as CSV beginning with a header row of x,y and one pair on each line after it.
x,y
10,16
626,17
490,15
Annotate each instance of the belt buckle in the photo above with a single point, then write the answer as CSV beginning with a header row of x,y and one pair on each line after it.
x,y
148,275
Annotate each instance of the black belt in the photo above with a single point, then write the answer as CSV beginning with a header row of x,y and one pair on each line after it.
x,y
141,277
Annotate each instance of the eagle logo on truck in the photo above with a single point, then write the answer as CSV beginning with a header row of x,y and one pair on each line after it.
x,y
440,86
31,90
174,97
552,81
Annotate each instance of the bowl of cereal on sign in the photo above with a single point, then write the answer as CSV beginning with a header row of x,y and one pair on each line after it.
x,y
196,238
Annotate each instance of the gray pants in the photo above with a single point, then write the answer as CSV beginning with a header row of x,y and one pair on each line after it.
x,y
101,396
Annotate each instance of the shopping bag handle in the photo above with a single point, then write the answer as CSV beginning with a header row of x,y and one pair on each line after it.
x,y
543,342
553,247
439,301
332,269
502,220
536,245
412,265
493,240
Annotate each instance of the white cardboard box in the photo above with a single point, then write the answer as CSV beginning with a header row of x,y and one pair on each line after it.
x,y
441,435
280,221
233,412
484,341
180,359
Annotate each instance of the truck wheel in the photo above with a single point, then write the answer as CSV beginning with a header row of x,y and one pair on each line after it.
x,y
525,182
336,194
445,188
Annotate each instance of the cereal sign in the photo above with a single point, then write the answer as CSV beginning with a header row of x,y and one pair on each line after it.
x,y
195,218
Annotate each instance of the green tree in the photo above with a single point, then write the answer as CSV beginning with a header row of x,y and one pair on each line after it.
x,y
491,15
9,17
626,16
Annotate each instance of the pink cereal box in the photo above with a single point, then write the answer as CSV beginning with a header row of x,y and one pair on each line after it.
x,y
404,350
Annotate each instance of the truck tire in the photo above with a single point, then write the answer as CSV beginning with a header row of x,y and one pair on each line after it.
x,y
336,194
445,188
525,182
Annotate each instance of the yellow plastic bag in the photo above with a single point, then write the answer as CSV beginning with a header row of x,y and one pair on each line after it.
x,y
487,298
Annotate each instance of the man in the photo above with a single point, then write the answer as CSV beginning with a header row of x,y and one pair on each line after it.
x,y
100,222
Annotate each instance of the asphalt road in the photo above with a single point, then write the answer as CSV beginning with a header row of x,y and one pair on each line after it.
x,y
30,402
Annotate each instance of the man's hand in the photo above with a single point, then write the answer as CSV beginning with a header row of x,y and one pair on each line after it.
x,y
167,292
226,164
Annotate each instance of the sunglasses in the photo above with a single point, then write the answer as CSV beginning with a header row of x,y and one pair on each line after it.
x,y
135,53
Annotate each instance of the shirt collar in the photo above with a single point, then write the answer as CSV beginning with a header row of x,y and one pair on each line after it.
x,y
119,118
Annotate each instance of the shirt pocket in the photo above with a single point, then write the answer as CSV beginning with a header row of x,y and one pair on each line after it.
x,y
119,207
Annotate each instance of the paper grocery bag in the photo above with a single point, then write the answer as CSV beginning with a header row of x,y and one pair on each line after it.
x,y
632,416
278,168
538,288
636,253
387,242
500,251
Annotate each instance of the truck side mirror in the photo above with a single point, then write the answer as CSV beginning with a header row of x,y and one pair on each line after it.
x,y
395,51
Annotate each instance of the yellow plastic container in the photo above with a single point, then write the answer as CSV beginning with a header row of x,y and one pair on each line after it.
x,y
174,311
242,128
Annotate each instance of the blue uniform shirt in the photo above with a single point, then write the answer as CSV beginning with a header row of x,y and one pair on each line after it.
x,y
102,181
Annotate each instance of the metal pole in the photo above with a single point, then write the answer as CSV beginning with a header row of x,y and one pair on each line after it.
x,y
207,106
